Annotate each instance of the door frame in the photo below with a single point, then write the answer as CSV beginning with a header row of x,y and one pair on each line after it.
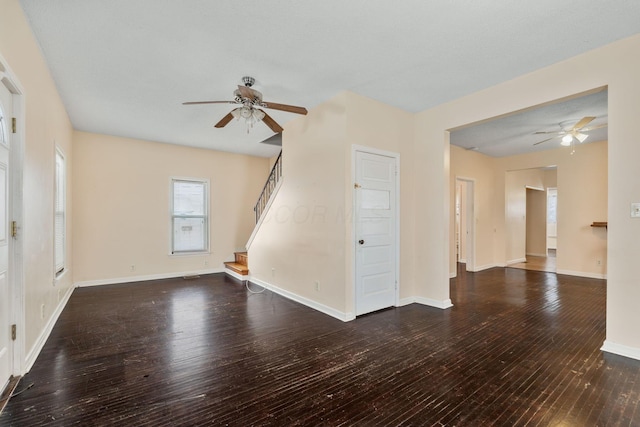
x,y
469,203
396,156
16,254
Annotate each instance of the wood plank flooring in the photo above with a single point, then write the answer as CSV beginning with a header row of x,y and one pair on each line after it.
x,y
538,263
518,348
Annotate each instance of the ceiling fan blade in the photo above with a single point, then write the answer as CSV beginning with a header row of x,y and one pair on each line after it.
x,y
285,107
225,120
545,140
271,123
582,123
594,127
559,132
208,102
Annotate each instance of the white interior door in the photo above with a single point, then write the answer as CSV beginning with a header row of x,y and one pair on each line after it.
x,y
375,232
6,113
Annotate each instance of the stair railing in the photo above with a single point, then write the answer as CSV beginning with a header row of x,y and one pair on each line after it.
x,y
269,186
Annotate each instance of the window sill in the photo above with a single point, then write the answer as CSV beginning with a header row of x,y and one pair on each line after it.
x,y
57,278
195,253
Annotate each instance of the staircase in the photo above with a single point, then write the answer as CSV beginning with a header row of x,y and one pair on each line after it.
x,y
240,265
269,187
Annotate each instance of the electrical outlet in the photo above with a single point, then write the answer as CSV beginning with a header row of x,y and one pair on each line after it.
x,y
599,262
132,267
273,272
58,294
317,284
42,311
206,262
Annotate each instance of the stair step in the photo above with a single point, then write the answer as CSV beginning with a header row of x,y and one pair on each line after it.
x,y
241,258
241,269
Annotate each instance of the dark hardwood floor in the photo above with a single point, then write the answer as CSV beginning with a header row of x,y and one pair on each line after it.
x,y
518,348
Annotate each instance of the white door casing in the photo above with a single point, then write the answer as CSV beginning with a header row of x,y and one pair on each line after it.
x,y
375,231
6,353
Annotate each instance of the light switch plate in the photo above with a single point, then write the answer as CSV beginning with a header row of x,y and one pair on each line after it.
x,y
635,210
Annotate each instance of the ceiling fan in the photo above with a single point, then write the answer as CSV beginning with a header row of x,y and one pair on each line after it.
x,y
575,132
249,100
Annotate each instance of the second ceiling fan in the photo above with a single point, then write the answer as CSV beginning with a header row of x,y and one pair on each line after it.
x,y
575,132
250,109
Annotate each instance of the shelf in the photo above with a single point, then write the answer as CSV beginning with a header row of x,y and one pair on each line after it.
x,y
599,224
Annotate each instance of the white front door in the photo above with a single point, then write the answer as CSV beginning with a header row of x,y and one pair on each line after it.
x,y
6,113
375,232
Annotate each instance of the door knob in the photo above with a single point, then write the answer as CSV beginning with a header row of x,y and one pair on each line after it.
x,y
361,241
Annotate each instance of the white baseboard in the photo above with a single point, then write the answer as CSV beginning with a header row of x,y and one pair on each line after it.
x,y
515,261
464,261
582,274
236,275
345,317
621,350
426,301
33,354
484,267
117,280
406,301
532,254
481,268
444,304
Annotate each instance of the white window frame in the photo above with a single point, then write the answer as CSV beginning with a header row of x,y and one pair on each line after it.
x,y
60,191
205,216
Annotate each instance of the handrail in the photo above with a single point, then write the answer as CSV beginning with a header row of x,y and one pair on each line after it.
x,y
269,186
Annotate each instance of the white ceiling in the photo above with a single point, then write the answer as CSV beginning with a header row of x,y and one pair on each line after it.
x,y
123,67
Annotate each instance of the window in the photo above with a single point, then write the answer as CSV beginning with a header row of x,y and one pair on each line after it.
x,y
189,216
552,205
60,214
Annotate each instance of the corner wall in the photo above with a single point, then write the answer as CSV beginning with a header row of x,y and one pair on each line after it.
x,y
615,66
306,236
121,199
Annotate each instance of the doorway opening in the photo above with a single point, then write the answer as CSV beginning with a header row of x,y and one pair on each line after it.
x,y
464,223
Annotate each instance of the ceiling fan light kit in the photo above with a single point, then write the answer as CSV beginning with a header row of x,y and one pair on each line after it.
x,y
250,114
250,99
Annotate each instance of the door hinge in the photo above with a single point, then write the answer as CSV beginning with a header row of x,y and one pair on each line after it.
x,y
13,125
13,332
356,185
14,229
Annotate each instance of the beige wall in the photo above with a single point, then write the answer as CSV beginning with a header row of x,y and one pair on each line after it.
x,y
551,178
615,66
537,222
480,169
500,197
46,126
302,238
582,197
306,235
515,190
121,200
